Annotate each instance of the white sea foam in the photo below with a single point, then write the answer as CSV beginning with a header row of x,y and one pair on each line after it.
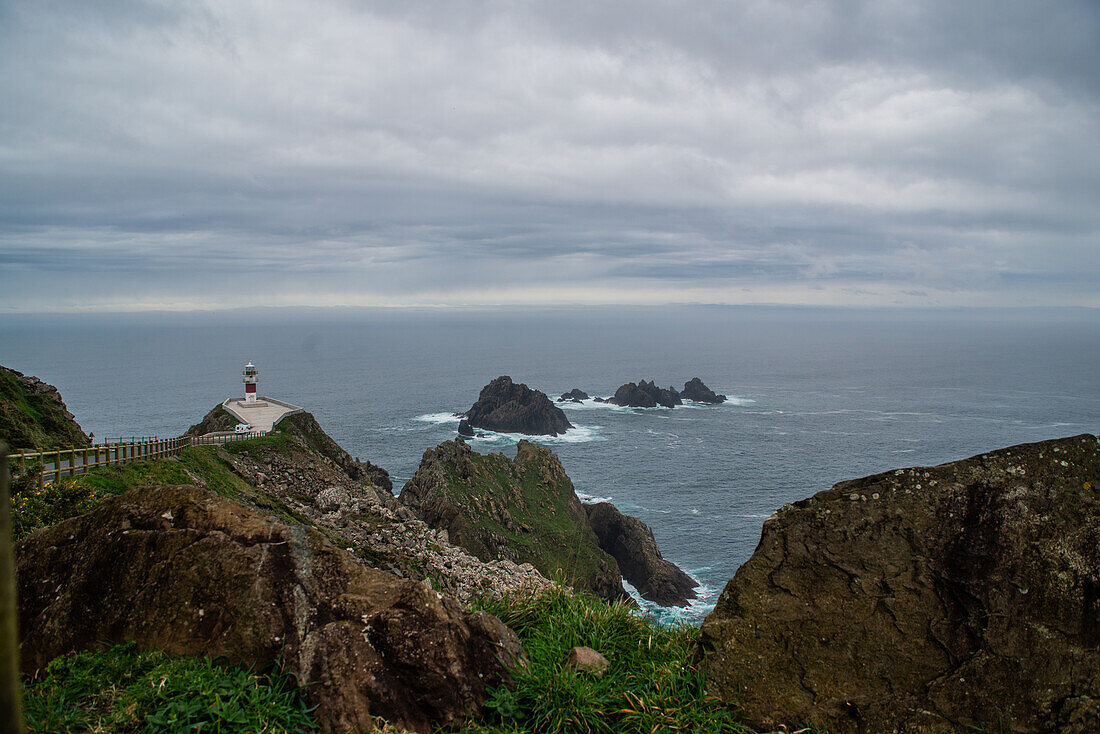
x,y
590,499
438,418
693,613
576,434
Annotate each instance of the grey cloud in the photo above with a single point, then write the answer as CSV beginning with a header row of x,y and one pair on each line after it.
x,y
409,151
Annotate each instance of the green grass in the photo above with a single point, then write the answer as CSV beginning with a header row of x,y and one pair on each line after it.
x,y
123,690
34,508
650,686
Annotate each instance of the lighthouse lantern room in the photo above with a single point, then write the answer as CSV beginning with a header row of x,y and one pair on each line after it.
x,y
250,383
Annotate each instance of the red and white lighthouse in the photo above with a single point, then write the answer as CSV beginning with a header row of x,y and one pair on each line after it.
x,y
250,383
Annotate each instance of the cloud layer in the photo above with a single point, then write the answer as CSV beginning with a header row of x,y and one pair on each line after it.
x,y
168,155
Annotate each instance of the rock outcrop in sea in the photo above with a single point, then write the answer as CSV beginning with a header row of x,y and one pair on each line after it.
x,y
525,510
509,407
33,415
573,396
630,542
522,510
645,395
694,389
958,597
183,570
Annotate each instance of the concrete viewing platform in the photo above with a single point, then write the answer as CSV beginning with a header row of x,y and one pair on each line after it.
x,y
261,415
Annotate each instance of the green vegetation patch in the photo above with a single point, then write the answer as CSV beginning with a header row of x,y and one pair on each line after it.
x,y
124,690
650,685
35,507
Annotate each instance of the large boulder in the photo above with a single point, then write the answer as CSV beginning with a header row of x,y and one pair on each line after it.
x,y
33,415
694,389
181,569
509,407
630,542
964,596
522,510
645,395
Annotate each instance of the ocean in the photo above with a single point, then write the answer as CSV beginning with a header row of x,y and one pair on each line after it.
x,y
816,395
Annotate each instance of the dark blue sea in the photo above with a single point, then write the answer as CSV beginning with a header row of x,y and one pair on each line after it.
x,y
816,395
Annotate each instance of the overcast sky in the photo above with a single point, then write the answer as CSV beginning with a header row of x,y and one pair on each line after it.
x,y
220,154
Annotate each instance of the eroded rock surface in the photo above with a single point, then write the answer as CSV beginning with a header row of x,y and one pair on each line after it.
x,y
630,542
294,481
180,569
510,407
931,599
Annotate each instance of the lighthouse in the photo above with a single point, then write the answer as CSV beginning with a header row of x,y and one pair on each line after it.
x,y
249,383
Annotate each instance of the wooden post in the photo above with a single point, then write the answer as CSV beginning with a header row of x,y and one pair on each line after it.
x,y
11,693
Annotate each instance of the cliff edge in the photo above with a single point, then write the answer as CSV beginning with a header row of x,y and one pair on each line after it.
x,y
931,599
33,415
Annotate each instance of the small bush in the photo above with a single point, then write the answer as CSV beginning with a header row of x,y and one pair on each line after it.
x,y
123,690
34,507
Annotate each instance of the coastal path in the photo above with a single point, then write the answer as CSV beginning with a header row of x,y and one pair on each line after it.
x,y
123,450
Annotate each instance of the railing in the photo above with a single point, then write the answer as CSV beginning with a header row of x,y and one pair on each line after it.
x,y
70,462
214,439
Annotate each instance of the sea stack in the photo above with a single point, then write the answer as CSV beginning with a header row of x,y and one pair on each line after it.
x,y
508,407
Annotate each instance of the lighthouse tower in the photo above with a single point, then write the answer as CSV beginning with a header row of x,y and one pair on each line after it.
x,y
249,383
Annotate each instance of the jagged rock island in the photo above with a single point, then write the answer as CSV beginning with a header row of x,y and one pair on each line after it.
x,y
645,395
525,510
958,597
507,407
694,389
575,395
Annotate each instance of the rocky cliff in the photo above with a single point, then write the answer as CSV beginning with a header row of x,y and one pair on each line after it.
x,y
522,509
934,599
33,415
630,542
509,407
303,428
180,569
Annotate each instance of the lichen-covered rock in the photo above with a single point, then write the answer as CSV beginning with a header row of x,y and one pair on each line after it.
x,y
645,395
509,407
933,599
630,542
33,415
522,509
694,389
180,569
